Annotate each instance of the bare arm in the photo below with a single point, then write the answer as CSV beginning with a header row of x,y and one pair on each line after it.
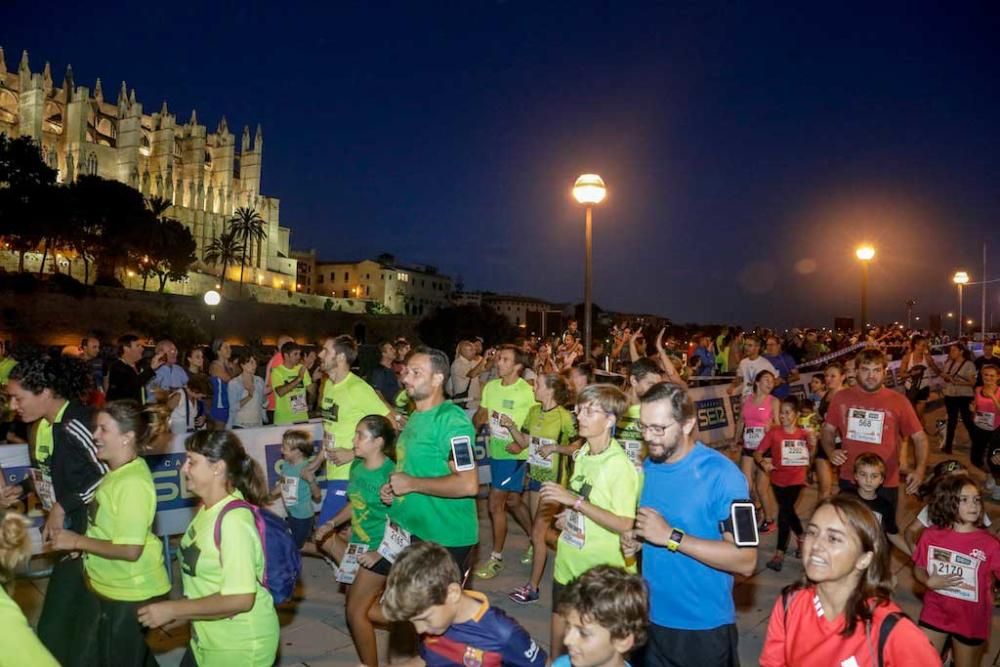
x,y
605,519
480,418
69,541
454,485
719,554
288,386
633,352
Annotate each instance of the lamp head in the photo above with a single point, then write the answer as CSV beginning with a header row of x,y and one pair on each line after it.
x,y
589,189
212,298
865,253
961,278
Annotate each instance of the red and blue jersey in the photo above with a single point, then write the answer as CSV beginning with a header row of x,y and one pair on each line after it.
x,y
490,639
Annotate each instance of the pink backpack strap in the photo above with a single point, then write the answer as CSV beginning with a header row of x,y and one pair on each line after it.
x,y
233,504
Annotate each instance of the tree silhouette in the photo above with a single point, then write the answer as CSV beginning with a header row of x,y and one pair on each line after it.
x,y
247,226
226,250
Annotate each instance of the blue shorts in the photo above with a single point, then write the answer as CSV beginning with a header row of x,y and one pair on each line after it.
x,y
334,501
301,529
534,485
508,474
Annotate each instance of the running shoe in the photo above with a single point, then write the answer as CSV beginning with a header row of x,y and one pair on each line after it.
x,y
776,563
528,555
492,568
767,527
525,594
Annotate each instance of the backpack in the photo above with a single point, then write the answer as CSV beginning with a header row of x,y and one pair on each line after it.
x,y
888,623
282,560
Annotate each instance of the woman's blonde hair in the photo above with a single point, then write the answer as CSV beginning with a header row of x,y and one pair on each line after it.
x,y
15,546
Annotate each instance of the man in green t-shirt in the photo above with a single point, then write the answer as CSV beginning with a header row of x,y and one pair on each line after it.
x,y
292,385
345,400
506,402
430,500
642,375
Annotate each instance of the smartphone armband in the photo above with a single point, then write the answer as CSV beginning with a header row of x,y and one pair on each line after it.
x,y
742,523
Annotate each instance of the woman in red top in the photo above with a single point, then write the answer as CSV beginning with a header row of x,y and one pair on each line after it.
x,y
835,615
956,558
791,447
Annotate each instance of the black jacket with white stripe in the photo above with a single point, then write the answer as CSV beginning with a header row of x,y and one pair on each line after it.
x,y
76,470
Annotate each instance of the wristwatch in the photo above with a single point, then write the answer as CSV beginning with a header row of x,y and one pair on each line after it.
x,y
674,541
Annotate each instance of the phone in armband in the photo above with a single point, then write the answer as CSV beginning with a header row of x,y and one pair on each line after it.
x,y
461,451
742,523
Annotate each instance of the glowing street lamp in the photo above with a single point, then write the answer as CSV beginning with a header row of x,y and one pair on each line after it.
x,y
588,190
865,253
961,278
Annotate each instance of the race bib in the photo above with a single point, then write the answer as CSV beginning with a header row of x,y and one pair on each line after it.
x,y
290,490
393,542
496,430
794,453
535,457
43,488
298,403
575,532
753,436
329,441
349,565
986,420
865,425
633,449
947,562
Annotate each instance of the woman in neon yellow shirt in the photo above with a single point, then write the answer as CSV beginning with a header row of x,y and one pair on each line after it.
x,y
123,560
232,614
20,645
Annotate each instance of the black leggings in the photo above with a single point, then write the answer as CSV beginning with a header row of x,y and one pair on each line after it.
x,y
788,520
983,444
957,406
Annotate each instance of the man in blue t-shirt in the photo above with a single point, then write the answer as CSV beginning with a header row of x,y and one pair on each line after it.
x,y
688,556
788,370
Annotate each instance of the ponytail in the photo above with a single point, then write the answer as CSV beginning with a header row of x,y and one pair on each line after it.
x,y
242,472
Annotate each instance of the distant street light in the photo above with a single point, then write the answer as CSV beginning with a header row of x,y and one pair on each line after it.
x,y
960,278
588,190
212,300
866,254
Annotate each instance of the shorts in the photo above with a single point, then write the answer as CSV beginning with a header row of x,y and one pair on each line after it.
x,y
890,494
301,529
508,474
534,485
681,648
821,453
748,452
458,554
961,639
335,499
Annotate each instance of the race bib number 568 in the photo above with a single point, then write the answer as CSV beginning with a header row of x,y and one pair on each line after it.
x,y
865,425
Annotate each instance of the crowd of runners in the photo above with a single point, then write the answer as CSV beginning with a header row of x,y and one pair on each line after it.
x,y
595,455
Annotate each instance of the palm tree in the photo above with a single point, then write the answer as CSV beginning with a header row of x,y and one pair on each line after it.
x,y
226,250
247,226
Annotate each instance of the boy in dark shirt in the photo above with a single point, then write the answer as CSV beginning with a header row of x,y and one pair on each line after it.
x,y
456,627
869,473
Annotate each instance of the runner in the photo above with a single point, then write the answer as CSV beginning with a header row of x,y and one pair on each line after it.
x,y
275,361
643,374
505,404
290,383
549,430
601,498
834,374
232,614
749,367
987,419
916,367
759,413
123,559
346,399
959,374
784,364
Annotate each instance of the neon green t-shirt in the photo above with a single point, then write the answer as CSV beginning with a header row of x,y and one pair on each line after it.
x,y
368,512
20,645
513,400
6,366
44,443
249,639
122,513
553,426
608,480
293,406
342,406
423,449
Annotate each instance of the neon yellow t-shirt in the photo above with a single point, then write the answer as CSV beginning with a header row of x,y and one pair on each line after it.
x,y
513,400
610,481
122,513
249,639
293,406
6,366
20,645
342,406
44,443
555,425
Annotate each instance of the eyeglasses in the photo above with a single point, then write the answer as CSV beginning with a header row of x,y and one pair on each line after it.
x,y
588,410
655,429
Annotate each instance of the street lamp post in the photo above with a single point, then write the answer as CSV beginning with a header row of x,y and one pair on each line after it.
x,y
588,190
212,300
865,253
960,278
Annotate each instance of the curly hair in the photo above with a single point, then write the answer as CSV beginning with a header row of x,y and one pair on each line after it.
x,y
943,506
611,598
66,377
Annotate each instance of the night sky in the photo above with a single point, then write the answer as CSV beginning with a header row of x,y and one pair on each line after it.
x,y
745,152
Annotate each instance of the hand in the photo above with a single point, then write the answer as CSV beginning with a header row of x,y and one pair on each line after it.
x,y
54,522
199,422
323,533
652,527
9,496
65,540
938,581
513,448
913,481
630,545
545,451
369,558
553,492
402,483
157,615
157,360
839,457
560,522
248,385
340,456
506,421
385,494
767,466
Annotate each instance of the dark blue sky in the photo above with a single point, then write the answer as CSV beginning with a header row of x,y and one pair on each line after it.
x,y
745,151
